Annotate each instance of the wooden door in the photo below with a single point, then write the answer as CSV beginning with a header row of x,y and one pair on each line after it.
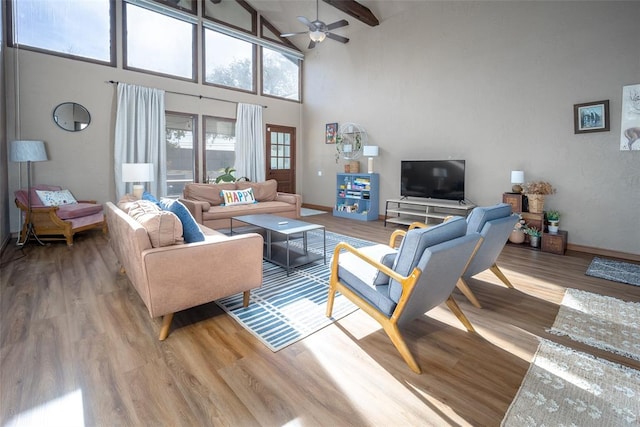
x,y
281,157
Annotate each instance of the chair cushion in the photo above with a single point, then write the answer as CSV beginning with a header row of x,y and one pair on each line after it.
x,y
190,229
480,215
78,210
56,198
163,227
365,271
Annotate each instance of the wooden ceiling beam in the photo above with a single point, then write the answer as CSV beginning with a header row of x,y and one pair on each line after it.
x,y
355,9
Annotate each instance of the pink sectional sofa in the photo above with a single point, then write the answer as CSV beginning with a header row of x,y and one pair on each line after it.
x,y
207,206
170,275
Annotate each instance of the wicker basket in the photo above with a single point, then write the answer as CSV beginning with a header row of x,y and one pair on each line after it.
x,y
354,166
536,203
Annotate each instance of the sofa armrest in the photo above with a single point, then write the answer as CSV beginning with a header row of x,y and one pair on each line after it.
x,y
196,208
294,199
183,276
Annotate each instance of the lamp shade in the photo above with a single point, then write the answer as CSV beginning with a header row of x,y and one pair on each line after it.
x,y
28,151
370,151
517,177
137,172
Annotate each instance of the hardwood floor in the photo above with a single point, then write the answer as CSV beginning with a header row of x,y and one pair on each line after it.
x,y
77,347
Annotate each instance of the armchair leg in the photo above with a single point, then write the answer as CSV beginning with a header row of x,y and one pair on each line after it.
x,y
453,306
396,338
466,290
166,325
496,270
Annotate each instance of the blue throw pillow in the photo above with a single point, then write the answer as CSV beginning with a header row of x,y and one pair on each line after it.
x,y
150,197
190,230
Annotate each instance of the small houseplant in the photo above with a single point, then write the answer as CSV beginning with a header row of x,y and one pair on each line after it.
x,y
553,217
535,192
534,236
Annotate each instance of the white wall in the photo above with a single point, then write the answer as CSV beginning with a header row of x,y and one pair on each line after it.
x,y
493,83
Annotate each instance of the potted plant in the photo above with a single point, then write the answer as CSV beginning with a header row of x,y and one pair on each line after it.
x,y
534,236
553,217
535,192
517,234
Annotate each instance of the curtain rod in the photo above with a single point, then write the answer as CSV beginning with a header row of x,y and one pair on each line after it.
x,y
189,94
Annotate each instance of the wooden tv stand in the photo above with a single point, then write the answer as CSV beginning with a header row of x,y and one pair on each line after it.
x,y
428,211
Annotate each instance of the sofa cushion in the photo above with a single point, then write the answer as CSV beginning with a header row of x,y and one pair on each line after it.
x,y
238,197
163,227
263,191
78,210
207,192
191,231
56,198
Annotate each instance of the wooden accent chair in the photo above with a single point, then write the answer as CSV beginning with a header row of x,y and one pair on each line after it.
x,y
394,286
58,222
494,223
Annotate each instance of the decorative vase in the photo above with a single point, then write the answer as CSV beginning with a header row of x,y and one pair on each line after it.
x,y
553,227
516,236
536,203
534,241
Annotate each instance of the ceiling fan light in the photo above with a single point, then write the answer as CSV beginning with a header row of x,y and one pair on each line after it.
x,y
317,36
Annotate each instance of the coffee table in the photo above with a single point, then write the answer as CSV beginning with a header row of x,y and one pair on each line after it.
x,y
279,251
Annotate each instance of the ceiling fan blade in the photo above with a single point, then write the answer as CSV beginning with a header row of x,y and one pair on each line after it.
x,y
337,38
293,34
308,23
338,24
312,44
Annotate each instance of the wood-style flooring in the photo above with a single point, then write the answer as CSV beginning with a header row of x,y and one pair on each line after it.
x,y
77,347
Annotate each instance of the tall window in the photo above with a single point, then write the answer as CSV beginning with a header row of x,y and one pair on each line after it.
x,y
180,151
80,29
229,61
220,144
159,43
280,75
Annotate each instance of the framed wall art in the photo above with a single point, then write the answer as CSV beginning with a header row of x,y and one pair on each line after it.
x,y
331,131
591,117
630,118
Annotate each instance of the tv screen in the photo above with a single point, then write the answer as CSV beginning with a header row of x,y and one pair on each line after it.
x,y
433,179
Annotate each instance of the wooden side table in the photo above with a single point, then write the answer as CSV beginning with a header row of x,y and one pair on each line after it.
x,y
556,243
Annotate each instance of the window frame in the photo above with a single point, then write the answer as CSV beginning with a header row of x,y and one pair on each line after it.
x,y
203,151
254,63
196,142
299,100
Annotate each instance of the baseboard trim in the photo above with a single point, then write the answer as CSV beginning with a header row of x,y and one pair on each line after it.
x,y
603,252
317,207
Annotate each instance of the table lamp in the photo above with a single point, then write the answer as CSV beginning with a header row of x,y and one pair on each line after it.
x,y
517,178
28,151
370,151
137,173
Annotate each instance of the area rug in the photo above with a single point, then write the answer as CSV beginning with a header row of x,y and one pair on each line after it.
x,y
288,308
310,212
600,321
617,271
565,387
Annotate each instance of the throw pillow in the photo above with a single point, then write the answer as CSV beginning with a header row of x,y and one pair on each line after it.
x,y
238,197
190,229
265,191
163,227
56,198
148,196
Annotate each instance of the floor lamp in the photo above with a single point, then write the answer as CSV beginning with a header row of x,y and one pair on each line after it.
x,y
28,151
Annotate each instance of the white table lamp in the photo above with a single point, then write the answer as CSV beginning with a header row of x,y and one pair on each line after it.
x,y
137,173
370,151
517,178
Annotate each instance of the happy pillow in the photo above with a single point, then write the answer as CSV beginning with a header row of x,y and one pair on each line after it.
x,y
56,198
237,197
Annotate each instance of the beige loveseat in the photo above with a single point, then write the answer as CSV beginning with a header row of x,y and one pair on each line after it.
x,y
206,204
181,275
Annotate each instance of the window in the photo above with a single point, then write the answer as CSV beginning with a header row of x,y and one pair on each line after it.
x,y
280,150
159,43
229,61
280,75
81,29
220,144
180,151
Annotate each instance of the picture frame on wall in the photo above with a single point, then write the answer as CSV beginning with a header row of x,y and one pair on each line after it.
x,y
331,132
591,117
630,118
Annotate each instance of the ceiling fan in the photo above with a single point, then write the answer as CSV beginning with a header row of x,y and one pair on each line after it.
x,y
318,30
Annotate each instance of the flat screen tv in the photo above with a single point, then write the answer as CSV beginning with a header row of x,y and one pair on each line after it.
x,y
432,179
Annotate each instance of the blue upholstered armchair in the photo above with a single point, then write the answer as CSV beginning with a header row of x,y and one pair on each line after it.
x,y
494,223
395,286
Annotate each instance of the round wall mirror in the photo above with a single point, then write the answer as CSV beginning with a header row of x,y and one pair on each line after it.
x,y
71,116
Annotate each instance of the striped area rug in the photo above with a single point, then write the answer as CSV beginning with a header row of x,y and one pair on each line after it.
x,y
288,308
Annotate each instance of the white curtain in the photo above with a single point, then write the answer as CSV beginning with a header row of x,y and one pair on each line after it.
x,y
250,160
140,136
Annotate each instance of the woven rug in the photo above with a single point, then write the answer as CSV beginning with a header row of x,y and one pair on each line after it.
x,y
288,308
564,387
600,321
617,271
